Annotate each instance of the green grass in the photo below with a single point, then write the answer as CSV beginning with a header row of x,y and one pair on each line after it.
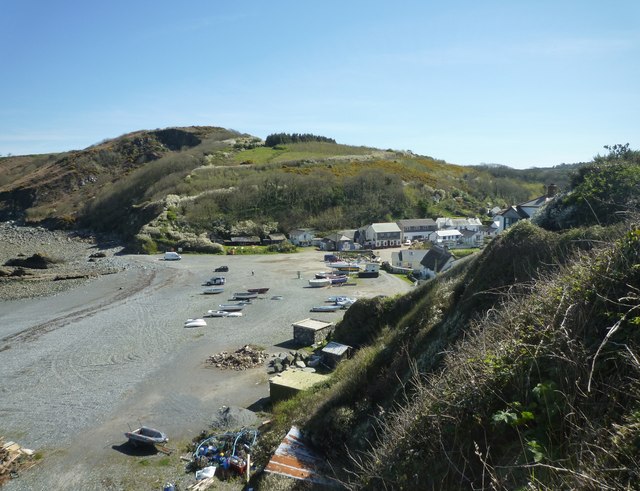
x,y
298,151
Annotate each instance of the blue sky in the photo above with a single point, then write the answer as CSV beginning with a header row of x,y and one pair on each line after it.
x,y
521,83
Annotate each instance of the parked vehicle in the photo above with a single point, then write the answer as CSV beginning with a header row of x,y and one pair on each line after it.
x,y
172,256
221,269
216,280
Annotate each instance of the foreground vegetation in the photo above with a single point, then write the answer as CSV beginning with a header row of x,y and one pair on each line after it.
x,y
518,369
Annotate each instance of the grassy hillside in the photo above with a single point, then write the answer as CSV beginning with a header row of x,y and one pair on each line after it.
x,y
210,182
518,369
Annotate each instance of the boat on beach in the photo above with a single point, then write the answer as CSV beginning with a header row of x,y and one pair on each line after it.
x,y
216,313
261,291
245,295
326,308
214,290
147,436
232,307
319,282
195,323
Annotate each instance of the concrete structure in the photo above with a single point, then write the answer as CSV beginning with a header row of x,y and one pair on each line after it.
x,y
311,331
333,353
288,383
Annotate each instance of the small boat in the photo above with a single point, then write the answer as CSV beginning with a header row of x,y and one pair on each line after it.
x,y
195,323
216,313
146,435
214,290
235,314
326,308
346,302
338,279
232,307
245,295
345,267
277,297
319,282
261,291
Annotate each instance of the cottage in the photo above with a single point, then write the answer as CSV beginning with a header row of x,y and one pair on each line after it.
x,y
447,223
408,259
437,260
311,331
338,241
445,237
523,211
302,237
243,241
275,239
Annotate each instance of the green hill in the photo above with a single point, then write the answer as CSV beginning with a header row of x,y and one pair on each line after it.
x,y
153,187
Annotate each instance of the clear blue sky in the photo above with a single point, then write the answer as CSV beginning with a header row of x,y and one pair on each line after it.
x,y
522,83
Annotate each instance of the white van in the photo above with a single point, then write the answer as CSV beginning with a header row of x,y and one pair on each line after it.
x,y
172,256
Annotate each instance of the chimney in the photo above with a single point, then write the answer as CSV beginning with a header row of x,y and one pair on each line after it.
x,y
552,190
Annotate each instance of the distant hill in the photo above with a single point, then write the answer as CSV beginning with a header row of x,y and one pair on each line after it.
x,y
214,181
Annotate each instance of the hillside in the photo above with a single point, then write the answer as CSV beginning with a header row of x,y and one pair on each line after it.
x,y
209,182
518,369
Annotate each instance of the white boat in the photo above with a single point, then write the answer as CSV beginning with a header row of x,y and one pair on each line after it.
x,y
232,307
195,323
216,313
326,308
214,290
319,282
245,295
235,314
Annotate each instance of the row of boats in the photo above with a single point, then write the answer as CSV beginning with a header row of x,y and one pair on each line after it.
x,y
335,303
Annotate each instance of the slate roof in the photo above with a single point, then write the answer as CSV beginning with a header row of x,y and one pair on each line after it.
x,y
385,227
436,259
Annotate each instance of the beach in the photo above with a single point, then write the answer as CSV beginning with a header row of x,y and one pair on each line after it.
x,y
83,365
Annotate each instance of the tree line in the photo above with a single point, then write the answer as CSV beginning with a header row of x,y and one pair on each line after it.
x,y
284,138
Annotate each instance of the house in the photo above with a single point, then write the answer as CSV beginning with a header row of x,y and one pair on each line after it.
x,y
311,331
243,241
337,242
378,235
274,239
471,238
437,260
447,223
408,259
523,211
445,237
302,237
416,228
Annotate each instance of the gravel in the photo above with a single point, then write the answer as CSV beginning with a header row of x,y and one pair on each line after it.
x,y
83,360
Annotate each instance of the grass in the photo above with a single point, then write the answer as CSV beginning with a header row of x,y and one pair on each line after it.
x,y
298,151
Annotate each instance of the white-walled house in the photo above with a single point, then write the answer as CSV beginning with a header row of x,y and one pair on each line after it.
x,y
416,228
447,237
302,237
523,211
458,223
379,235
436,260
408,258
